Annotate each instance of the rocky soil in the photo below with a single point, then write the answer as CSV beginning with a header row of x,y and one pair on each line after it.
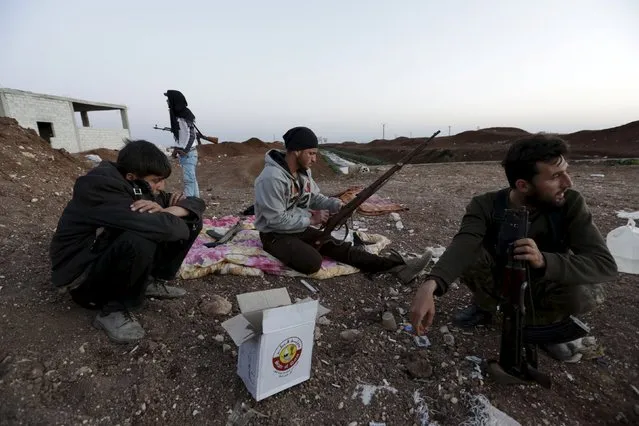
x,y
56,369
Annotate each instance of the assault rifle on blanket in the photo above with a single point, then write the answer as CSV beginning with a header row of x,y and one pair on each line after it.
x,y
518,350
339,219
223,238
200,135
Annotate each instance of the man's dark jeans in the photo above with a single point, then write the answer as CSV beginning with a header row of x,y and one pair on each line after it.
x,y
119,277
297,251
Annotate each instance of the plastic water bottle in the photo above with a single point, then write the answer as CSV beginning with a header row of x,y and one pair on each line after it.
x,y
623,243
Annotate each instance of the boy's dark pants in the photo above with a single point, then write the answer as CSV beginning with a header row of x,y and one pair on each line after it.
x,y
552,302
298,252
119,277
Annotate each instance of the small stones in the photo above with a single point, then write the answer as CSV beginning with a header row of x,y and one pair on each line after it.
x,y
419,366
350,335
449,339
82,371
218,305
323,321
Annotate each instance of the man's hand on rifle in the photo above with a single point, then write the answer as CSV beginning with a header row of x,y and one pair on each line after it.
x,y
526,249
178,153
422,310
318,217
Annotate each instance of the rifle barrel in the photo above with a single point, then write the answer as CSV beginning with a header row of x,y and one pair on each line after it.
x,y
346,211
384,178
420,148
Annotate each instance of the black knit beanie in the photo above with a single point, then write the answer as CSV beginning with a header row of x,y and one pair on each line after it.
x,y
300,138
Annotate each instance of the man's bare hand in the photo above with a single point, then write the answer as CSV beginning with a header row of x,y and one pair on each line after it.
x,y
526,249
318,217
146,206
422,310
176,197
178,153
176,211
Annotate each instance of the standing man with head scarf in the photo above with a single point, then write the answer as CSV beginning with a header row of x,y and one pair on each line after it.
x,y
184,133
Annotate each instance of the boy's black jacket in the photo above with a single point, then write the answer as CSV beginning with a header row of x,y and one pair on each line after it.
x,y
102,199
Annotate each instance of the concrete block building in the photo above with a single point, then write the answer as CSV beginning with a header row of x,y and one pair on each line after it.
x,y
54,118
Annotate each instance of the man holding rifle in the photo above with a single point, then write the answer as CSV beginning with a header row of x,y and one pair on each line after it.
x,y
566,254
289,206
185,133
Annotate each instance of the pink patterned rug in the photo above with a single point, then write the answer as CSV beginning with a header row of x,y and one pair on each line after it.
x,y
243,255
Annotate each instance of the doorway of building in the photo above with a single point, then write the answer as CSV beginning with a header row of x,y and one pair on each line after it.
x,y
45,130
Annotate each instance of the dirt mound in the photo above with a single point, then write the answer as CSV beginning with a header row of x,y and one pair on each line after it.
x,y
621,141
235,149
103,153
490,144
248,161
35,180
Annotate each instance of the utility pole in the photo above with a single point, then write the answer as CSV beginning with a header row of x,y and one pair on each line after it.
x,y
383,130
448,130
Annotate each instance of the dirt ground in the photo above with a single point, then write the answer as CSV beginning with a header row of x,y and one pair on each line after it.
x,y
56,369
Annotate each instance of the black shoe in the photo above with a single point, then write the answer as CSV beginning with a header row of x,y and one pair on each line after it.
x,y
409,269
472,316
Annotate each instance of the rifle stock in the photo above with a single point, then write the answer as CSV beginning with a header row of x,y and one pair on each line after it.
x,y
339,219
211,139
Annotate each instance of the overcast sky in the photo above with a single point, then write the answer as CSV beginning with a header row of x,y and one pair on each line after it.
x,y
257,68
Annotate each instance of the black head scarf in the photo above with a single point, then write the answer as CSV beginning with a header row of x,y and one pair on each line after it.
x,y
178,108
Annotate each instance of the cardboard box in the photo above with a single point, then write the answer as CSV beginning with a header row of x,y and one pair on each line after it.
x,y
275,339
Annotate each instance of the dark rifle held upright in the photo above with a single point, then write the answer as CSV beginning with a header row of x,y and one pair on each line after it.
x,y
339,219
518,348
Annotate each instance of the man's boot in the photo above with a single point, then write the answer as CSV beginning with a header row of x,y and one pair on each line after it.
x,y
411,268
472,316
119,326
159,289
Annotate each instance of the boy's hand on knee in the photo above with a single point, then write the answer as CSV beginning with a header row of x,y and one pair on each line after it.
x,y
146,206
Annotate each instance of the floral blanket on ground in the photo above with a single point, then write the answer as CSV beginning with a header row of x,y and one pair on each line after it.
x,y
244,255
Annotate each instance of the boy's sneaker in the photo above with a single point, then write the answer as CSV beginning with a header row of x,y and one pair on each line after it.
x,y
159,289
120,326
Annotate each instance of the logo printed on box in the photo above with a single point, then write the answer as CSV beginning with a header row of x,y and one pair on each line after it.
x,y
286,355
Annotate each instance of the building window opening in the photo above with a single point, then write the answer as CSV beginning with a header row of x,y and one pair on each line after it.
x,y
45,130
